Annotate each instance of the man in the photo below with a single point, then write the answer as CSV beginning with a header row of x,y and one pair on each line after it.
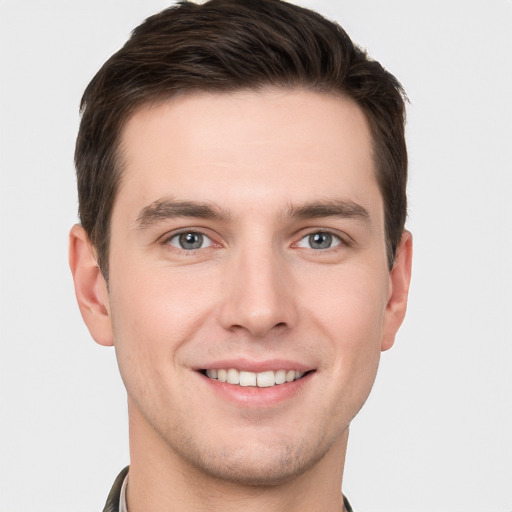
x,y
241,173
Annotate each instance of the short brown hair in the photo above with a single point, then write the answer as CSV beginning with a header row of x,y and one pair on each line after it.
x,y
226,45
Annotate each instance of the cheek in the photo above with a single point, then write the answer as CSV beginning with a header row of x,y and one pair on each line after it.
x,y
153,316
350,312
159,303
349,302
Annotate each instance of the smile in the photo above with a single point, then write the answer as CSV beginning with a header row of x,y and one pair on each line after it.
x,y
261,380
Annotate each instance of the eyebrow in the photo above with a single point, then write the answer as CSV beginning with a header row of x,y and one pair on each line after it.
x,y
329,208
163,209
167,208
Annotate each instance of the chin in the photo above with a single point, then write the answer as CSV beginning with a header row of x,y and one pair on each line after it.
x,y
254,465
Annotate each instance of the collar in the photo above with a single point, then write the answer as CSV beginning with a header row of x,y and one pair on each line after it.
x,y
122,496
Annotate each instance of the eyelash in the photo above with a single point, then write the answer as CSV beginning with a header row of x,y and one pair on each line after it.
x,y
167,240
336,239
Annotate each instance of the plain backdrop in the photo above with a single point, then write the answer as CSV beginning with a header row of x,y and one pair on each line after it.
x,y
436,433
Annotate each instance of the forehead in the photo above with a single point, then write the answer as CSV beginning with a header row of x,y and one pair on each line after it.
x,y
248,148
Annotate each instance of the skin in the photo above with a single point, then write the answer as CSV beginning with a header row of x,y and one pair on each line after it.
x,y
257,290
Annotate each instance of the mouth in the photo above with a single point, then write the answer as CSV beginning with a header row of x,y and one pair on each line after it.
x,y
265,379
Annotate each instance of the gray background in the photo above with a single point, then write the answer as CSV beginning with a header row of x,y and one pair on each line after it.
x,y
436,434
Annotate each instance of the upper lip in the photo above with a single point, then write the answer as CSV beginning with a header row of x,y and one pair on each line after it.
x,y
249,365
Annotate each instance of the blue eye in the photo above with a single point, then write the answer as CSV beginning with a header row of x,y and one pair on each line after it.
x,y
190,241
320,240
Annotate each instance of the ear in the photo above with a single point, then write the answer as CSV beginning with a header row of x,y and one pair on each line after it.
x,y
90,286
399,280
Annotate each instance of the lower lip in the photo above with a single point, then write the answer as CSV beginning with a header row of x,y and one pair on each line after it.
x,y
250,396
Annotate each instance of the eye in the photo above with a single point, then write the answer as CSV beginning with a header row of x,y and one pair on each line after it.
x,y
190,241
320,240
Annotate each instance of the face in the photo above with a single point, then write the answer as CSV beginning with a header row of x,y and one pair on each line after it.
x,y
249,294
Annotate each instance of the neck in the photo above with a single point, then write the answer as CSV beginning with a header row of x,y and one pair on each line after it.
x,y
161,481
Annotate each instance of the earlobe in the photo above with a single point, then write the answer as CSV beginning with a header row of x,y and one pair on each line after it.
x,y
90,287
400,278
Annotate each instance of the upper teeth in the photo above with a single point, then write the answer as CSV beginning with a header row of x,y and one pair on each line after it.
x,y
261,380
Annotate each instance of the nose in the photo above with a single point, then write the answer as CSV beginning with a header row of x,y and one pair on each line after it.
x,y
258,293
